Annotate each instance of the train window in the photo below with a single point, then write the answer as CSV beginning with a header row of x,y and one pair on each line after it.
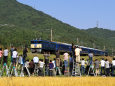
x,y
32,42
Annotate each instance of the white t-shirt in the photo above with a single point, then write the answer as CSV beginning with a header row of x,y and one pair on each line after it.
x,y
6,52
14,54
83,62
35,59
102,63
77,51
54,63
26,64
113,62
107,64
41,64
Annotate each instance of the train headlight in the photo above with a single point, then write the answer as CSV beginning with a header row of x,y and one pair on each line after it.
x,y
39,46
32,45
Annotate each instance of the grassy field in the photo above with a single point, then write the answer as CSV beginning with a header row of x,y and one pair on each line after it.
x,y
57,81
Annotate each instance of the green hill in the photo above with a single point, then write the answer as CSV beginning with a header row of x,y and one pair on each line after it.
x,y
100,32
20,23
107,35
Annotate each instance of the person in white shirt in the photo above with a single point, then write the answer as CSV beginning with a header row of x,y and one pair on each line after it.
x,y
102,66
41,66
54,63
113,67
77,53
14,56
83,66
107,67
54,66
5,53
41,63
36,61
27,63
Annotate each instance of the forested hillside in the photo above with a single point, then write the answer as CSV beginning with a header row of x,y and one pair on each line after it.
x,y
107,35
20,23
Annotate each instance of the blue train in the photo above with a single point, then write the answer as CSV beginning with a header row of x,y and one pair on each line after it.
x,y
41,46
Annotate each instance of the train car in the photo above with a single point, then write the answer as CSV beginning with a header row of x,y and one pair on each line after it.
x,y
35,46
41,46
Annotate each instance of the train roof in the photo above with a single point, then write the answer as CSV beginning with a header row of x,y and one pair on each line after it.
x,y
89,48
34,40
64,43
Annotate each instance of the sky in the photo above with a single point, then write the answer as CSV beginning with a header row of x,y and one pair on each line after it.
x,y
82,14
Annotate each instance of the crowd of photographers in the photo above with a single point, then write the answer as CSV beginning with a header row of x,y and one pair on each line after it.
x,y
56,66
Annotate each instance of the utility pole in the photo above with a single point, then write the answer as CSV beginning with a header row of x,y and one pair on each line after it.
x,y
93,45
104,48
10,45
51,34
112,51
77,40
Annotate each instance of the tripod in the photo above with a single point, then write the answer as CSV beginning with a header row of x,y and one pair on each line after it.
x,y
76,69
22,71
36,69
14,71
91,70
58,70
7,70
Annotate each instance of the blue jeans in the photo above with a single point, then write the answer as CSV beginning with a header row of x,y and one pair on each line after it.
x,y
90,60
46,71
102,70
66,64
82,69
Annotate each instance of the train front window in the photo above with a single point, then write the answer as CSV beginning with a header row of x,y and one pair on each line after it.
x,y
32,42
35,42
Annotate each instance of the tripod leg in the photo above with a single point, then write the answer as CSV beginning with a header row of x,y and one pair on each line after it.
x,y
22,73
28,71
7,71
16,74
88,70
2,70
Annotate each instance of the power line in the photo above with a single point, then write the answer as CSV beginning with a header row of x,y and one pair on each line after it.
x,y
51,34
